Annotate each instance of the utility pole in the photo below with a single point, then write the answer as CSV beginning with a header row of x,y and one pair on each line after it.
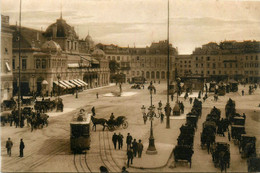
x,y
168,76
19,75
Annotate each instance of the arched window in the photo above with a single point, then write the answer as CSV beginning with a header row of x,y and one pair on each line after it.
x,y
147,74
163,75
38,63
157,75
152,74
43,63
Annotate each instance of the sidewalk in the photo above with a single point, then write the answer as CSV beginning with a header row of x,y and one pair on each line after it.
x,y
168,140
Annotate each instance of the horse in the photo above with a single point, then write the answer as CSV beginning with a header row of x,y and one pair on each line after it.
x,y
100,121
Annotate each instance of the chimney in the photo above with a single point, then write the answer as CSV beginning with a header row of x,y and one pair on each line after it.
x,y
54,31
37,36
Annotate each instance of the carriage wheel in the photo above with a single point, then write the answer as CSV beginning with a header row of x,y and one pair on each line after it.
x,y
125,124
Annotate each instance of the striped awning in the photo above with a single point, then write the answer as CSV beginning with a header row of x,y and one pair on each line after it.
x,y
81,81
75,83
59,84
63,83
70,84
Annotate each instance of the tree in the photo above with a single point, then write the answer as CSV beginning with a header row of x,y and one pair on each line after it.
x,y
113,66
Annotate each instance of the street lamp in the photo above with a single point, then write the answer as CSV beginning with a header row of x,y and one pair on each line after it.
x,y
33,76
151,114
58,76
76,91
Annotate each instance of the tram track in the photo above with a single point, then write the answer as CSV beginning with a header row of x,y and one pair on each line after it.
x,y
106,154
80,163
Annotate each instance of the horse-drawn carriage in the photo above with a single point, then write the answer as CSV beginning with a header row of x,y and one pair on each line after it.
x,y
8,105
237,120
247,146
221,155
45,105
192,120
4,117
230,108
187,129
208,133
119,121
237,131
183,152
136,86
253,164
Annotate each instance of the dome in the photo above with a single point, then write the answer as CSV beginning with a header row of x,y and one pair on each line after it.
x,y
98,52
51,46
88,38
60,29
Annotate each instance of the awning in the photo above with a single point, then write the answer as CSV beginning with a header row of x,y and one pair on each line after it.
x,y
7,67
76,83
66,85
73,65
70,84
59,84
81,81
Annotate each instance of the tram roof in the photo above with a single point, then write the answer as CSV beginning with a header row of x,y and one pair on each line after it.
x,y
86,119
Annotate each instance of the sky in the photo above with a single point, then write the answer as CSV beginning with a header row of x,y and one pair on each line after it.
x,y
141,22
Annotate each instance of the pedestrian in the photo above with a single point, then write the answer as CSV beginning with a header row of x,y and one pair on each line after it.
x,y
229,137
97,95
143,87
120,141
140,148
21,148
93,111
154,90
124,170
162,117
243,92
134,145
160,104
128,140
208,145
172,97
9,145
145,118
130,156
114,139
190,100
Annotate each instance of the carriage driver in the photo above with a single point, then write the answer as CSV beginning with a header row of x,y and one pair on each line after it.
x,y
112,116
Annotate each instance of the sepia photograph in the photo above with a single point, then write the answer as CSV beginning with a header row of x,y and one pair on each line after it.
x,y
126,86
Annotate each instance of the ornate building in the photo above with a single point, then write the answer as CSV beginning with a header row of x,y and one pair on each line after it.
x,y
56,60
6,59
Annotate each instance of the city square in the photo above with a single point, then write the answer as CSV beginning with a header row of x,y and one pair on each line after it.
x,y
130,86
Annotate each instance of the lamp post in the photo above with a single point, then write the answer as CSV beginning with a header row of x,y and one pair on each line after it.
x,y
33,76
58,76
151,114
76,91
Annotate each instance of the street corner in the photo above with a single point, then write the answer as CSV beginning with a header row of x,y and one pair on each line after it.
x,y
152,161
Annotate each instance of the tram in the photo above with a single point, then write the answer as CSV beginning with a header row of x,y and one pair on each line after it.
x,y
80,132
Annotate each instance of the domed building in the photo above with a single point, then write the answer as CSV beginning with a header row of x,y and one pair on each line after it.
x,y
58,57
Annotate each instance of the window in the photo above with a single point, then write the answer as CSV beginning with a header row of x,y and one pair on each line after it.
x,y
208,65
202,71
246,58
24,64
256,72
225,65
43,63
235,72
137,58
256,57
208,58
180,65
213,72
201,65
214,65
219,72
256,64
118,58
196,65
230,65
208,72
68,45
202,58
236,65
196,58
38,63
189,61
13,64
181,61
251,57
189,65
185,61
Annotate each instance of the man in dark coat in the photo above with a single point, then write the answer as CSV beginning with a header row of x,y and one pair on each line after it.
x,y
114,139
130,156
120,141
93,111
135,147
9,145
21,148
128,140
140,148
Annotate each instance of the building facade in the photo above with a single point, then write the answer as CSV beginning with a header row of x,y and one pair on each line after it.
x,y
228,60
6,59
149,62
56,59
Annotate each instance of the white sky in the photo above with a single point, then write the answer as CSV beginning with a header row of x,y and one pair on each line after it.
x,y
125,22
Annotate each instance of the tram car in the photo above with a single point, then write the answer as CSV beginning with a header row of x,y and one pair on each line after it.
x,y
80,132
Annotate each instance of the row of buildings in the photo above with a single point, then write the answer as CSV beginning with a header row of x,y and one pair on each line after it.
x,y
56,59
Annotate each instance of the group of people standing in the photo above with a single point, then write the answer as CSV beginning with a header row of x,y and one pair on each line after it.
x,y
134,148
9,145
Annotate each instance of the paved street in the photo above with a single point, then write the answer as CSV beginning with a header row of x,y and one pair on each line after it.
x,y
48,149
